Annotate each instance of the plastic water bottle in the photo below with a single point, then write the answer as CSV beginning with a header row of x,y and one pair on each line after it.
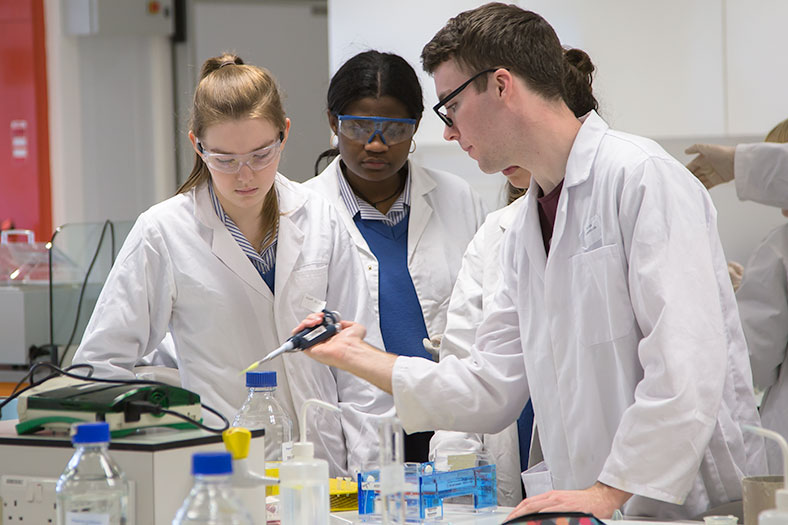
x,y
212,500
262,410
92,490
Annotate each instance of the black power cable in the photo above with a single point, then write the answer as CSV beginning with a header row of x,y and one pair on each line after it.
x,y
144,407
107,224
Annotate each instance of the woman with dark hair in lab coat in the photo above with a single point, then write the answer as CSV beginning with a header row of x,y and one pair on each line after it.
x,y
229,266
410,224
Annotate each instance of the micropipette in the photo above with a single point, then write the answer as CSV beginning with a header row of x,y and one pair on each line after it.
x,y
305,338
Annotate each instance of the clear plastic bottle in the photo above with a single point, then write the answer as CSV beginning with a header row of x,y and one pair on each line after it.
x,y
303,480
212,500
92,489
262,410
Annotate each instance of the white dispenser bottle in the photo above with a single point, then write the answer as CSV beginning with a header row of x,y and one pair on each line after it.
x,y
779,514
303,480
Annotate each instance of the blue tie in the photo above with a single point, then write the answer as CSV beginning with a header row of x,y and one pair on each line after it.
x,y
525,426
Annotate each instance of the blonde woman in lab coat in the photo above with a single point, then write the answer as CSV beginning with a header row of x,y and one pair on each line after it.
x,y
409,224
231,264
615,312
471,299
763,307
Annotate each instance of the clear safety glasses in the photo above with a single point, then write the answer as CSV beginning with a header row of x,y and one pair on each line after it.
x,y
227,163
390,130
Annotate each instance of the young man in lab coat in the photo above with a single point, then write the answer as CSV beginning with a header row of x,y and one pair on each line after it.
x,y
615,312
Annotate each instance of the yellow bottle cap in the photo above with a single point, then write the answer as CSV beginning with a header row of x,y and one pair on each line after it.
x,y
236,441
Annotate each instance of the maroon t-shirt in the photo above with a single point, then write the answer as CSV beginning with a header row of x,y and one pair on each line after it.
x,y
548,207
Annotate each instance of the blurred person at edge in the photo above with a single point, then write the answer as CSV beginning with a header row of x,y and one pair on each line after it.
x,y
763,307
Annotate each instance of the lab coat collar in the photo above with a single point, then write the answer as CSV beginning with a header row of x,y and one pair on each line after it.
x,y
584,148
420,209
421,184
578,170
224,246
292,200
509,213
335,197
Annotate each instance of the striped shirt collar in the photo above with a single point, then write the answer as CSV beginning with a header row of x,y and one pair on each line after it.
x,y
263,261
355,204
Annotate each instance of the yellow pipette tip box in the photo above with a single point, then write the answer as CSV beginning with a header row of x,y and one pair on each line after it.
x,y
343,494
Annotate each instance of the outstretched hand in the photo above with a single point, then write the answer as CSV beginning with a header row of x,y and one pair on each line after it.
x,y
713,165
600,500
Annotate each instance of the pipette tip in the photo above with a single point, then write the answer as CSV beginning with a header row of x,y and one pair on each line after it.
x,y
250,367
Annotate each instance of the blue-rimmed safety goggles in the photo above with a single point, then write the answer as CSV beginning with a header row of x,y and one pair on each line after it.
x,y
363,129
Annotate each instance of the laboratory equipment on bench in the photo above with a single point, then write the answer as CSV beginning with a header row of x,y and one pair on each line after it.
x,y
305,338
249,486
779,514
303,480
391,454
25,293
262,410
92,489
58,402
212,498
427,490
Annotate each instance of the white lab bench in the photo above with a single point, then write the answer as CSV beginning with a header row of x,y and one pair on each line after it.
x,y
158,464
449,518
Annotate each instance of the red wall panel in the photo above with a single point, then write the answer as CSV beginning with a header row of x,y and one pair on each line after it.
x,y
24,146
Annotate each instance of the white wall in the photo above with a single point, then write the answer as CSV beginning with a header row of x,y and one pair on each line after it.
x,y
290,40
675,71
110,122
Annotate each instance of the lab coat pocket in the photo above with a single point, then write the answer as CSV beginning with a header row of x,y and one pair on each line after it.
x,y
602,309
537,480
309,281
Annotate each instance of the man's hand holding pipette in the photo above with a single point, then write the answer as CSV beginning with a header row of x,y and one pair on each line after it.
x,y
348,351
304,338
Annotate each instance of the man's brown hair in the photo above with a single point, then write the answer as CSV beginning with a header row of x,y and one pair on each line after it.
x,y
500,35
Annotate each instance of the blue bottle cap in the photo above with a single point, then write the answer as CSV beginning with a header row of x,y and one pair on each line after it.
x,y
90,432
212,463
263,379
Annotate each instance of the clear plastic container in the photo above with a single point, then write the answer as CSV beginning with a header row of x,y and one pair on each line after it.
x,y
262,410
212,500
303,480
92,490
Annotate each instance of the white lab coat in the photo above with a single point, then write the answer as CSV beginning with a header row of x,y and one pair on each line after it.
x,y
627,338
180,270
761,173
445,213
470,300
763,306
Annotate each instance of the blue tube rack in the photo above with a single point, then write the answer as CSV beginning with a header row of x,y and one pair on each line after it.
x,y
427,489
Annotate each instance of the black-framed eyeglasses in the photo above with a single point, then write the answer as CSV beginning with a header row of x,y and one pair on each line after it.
x,y
445,100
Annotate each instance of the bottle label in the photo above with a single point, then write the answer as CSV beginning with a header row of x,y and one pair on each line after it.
x,y
287,450
86,518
